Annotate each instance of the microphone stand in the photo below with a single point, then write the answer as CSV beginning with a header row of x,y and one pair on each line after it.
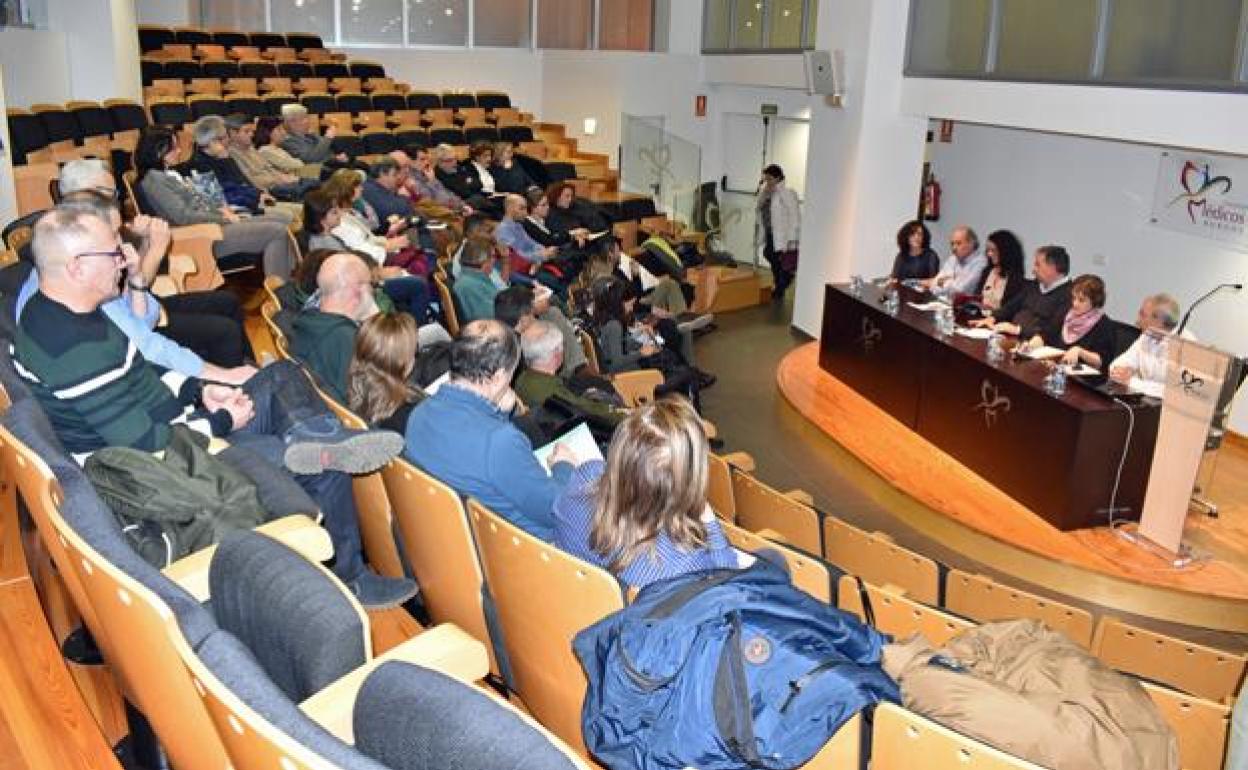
x,y
1207,295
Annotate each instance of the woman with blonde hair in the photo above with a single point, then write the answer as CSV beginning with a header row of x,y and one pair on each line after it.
x,y
378,385
643,513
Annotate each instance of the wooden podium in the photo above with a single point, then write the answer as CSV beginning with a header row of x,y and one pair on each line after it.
x,y
1194,394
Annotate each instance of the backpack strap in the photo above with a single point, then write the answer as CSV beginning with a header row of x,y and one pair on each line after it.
x,y
731,699
690,591
864,596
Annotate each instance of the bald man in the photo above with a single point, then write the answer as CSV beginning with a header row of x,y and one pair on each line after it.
x,y
527,255
324,337
99,391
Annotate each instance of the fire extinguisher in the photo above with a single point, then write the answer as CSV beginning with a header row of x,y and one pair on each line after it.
x,y
931,199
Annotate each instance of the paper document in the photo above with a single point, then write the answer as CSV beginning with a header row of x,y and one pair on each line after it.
x,y
978,333
1042,352
926,306
579,440
596,236
1083,370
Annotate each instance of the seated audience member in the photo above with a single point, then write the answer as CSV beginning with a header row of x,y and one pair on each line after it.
x,y
270,133
381,190
519,307
460,179
1003,278
358,226
1041,302
480,226
474,288
136,311
527,255
643,514
240,134
98,392
658,267
1142,366
324,336
428,186
568,214
304,144
208,323
173,198
212,156
963,268
915,259
569,242
480,158
463,434
510,176
1085,332
379,379
628,345
540,379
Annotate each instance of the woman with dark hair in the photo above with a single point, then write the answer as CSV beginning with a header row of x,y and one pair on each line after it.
x,y
1085,332
1003,277
321,219
643,514
539,227
568,214
656,343
915,259
169,195
780,223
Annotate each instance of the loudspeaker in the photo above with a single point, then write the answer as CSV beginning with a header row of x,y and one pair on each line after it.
x,y
821,75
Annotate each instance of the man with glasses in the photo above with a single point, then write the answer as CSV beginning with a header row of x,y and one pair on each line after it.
x,y
428,188
204,326
99,391
963,268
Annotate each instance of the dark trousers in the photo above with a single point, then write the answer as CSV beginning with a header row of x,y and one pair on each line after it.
x,y
209,323
781,276
410,294
288,410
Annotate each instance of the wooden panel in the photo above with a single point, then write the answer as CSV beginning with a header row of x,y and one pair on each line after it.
x,y
899,615
1193,668
904,740
760,507
983,599
1201,726
43,713
626,25
564,23
876,559
807,572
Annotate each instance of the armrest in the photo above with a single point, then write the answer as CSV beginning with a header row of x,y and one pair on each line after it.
x,y
195,241
299,532
638,386
740,460
443,648
772,535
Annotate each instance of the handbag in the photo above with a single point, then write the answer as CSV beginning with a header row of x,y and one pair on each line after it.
x,y
173,505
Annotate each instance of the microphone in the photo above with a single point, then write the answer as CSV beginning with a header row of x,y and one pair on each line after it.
x,y
1207,295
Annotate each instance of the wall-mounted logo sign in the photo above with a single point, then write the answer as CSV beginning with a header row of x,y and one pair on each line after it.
x,y
1198,195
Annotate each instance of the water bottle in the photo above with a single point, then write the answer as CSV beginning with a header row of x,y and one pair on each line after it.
x,y
944,321
855,285
892,302
1057,380
995,353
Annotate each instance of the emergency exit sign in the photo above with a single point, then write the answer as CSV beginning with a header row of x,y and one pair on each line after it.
x,y
770,109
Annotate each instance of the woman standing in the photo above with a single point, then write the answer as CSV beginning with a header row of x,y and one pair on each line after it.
x,y
780,223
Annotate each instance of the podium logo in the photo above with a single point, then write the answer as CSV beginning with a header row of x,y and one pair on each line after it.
x,y
1192,384
991,403
871,334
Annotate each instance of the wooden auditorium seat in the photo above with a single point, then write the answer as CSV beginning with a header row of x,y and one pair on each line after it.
x,y
874,557
761,507
981,598
809,573
1203,671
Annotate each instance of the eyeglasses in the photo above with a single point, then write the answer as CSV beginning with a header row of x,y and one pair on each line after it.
x,y
117,254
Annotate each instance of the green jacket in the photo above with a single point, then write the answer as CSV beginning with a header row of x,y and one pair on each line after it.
x,y
534,388
325,342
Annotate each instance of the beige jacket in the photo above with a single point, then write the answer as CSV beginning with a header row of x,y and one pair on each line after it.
x,y
1034,693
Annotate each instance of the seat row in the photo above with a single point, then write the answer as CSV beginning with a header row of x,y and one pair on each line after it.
x,y
154,37
38,134
186,69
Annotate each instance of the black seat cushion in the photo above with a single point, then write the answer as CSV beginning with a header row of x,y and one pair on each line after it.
x,y
411,718
289,613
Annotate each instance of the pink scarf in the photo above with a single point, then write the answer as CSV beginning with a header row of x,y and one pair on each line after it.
x,y
1078,324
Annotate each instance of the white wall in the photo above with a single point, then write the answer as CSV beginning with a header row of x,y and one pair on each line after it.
x,y
169,13
8,192
36,67
101,48
516,71
1092,196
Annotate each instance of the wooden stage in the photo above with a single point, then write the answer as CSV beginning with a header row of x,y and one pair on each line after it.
x,y
975,518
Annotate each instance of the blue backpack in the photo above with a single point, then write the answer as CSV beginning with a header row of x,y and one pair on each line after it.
x,y
722,670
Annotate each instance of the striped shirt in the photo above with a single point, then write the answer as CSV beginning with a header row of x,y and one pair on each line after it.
x,y
574,513
96,387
